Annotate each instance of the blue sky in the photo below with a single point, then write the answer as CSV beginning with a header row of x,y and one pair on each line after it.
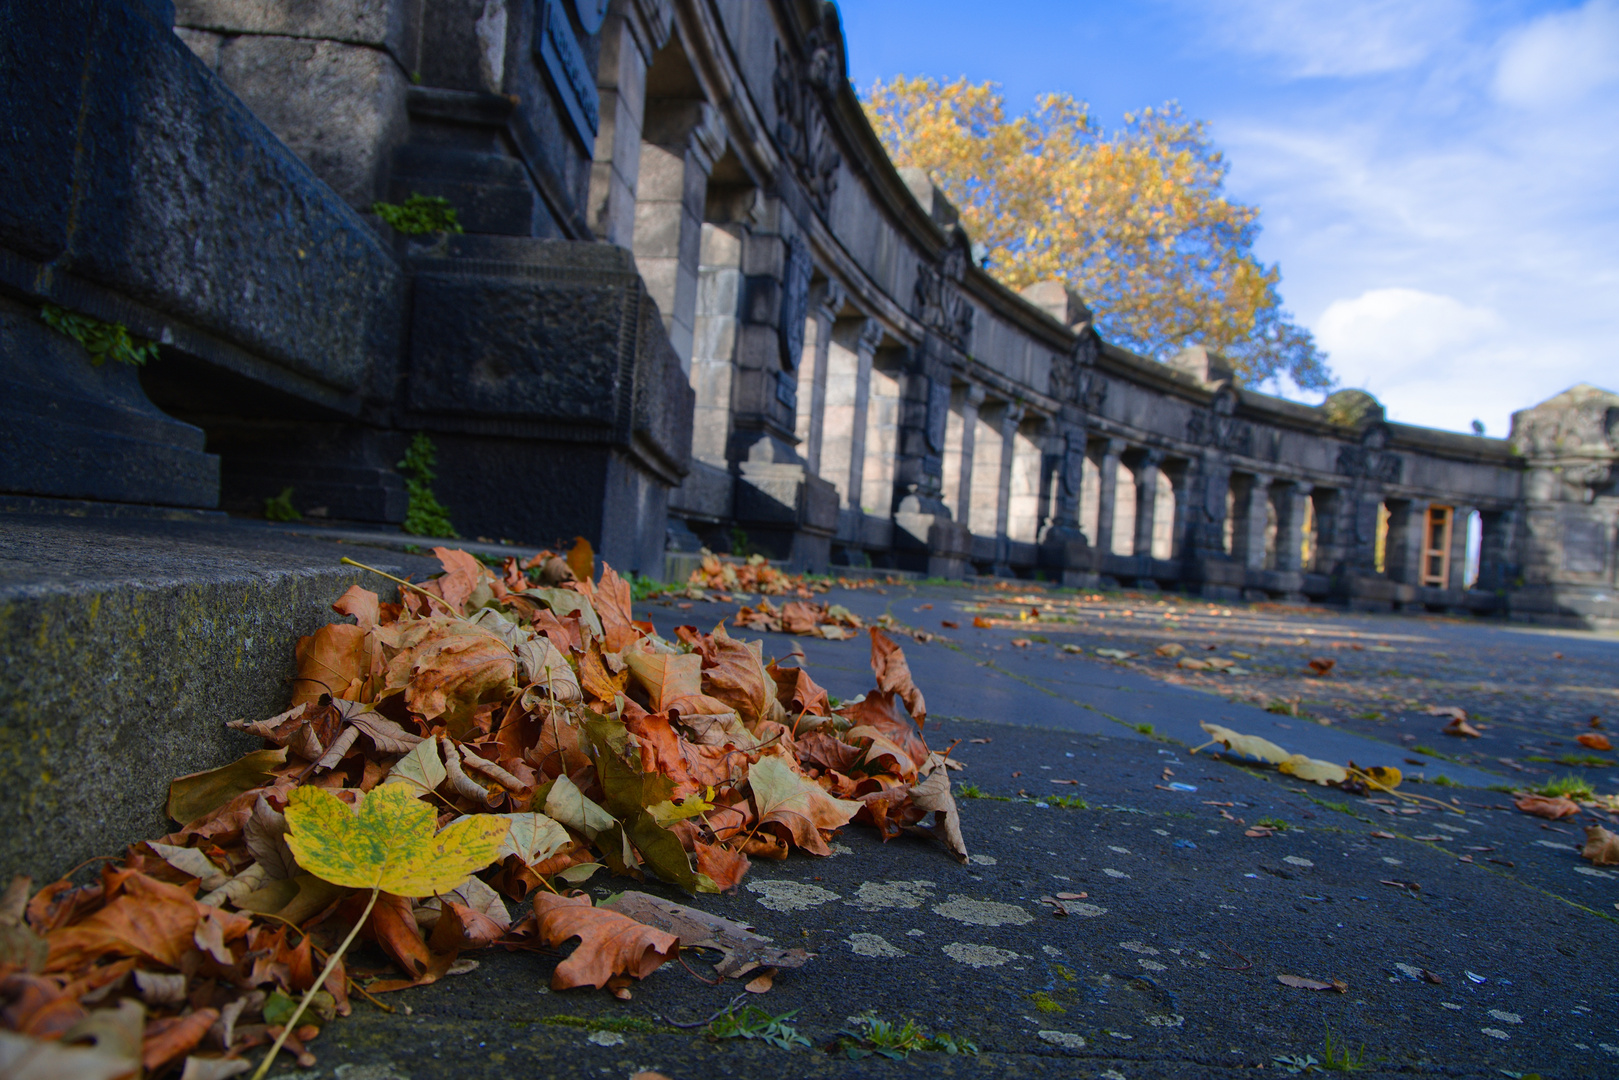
x,y
1437,179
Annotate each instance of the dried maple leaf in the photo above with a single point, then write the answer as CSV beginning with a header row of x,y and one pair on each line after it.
x,y
894,675
199,794
582,559
666,677
1461,729
799,806
333,660
1557,806
610,944
877,710
744,950
1321,665
1601,846
1247,745
933,796
1593,740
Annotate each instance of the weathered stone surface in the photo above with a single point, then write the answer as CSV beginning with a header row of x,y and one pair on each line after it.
x,y
125,646
138,171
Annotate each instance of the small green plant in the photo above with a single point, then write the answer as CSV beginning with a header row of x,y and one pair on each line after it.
x,y
1369,714
1443,781
102,340
280,508
741,546
1274,823
973,791
1295,1064
419,215
1070,802
752,1022
643,587
1045,1002
1145,729
893,1041
1589,761
1336,1056
1573,787
424,514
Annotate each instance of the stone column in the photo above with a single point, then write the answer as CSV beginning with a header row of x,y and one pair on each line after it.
x,y
1402,552
629,38
1147,476
1460,517
959,458
1290,529
1254,521
1010,419
680,141
1107,489
812,372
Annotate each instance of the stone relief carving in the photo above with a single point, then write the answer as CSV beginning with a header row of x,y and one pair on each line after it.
x,y
1579,431
801,128
1370,460
871,335
1073,464
1218,427
1074,378
795,297
939,300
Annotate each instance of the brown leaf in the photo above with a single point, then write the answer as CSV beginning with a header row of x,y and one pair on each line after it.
x,y
362,604
151,918
333,660
799,807
933,796
877,710
798,693
1381,835
1601,846
199,794
1593,740
894,675
1302,982
447,667
949,624
1461,729
610,944
1455,712
1557,806
171,1037
1321,665
744,950
734,673
761,984
582,559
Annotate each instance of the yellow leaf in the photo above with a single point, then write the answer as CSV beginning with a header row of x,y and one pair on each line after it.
x,y
1246,745
387,841
1308,768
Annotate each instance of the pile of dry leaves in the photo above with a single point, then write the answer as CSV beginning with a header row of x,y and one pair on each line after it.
x,y
755,575
532,694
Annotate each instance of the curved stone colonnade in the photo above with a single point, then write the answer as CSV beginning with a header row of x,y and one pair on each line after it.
x,y
928,418
693,297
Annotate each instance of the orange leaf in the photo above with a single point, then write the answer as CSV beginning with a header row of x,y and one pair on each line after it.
x,y
393,926
1601,846
1558,806
1461,729
1594,740
877,710
460,927
609,943
170,1037
582,559
332,660
360,603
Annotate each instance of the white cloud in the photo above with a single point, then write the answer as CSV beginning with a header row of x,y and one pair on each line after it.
x,y
1434,360
1560,58
1335,37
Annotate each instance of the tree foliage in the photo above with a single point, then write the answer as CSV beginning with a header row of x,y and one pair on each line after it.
x,y
1134,219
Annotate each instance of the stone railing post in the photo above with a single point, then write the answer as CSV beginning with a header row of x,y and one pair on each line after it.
x,y
1106,495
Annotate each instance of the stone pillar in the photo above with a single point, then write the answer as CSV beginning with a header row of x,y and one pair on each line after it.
x,y
1107,489
1147,476
629,38
1010,419
959,451
1402,552
868,334
1459,520
1255,518
1290,529
680,141
843,425
812,372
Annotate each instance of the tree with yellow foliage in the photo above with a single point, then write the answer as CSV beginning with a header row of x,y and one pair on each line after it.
x,y
1134,219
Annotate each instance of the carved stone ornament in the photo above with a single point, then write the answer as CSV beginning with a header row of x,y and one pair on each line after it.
x,y
940,304
1073,464
1370,460
1216,425
801,129
1074,378
795,298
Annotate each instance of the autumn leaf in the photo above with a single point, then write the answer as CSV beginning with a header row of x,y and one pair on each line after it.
x,y
333,660
1593,740
1170,649
783,797
582,559
1322,665
1461,729
1552,808
194,796
743,950
933,796
422,770
610,943
894,675
1601,846
387,841
1302,982
1251,746
1308,768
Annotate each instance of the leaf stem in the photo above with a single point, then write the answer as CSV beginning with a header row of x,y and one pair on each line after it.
x,y
345,560
309,995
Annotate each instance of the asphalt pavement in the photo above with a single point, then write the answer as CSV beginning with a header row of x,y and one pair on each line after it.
x,y
1468,942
